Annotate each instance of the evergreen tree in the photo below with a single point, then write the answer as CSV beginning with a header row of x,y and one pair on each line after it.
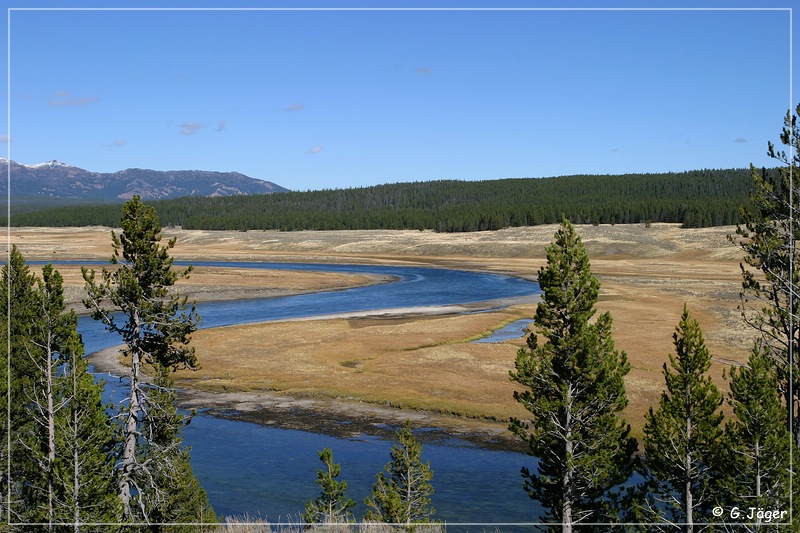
x,y
331,506
155,325
53,343
38,438
771,270
757,441
60,447
86,438
178,497
19,314
682,441
574,392
402,495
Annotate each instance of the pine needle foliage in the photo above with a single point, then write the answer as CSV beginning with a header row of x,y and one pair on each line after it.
x,y
757,442
331,505
176,496
683,437
771,267
402,494
60,436
574,390
134,300
19,310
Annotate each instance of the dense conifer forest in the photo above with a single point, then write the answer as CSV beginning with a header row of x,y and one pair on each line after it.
x,y
698,198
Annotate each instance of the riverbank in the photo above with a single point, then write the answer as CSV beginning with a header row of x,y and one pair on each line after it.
x,y
318,405
646,274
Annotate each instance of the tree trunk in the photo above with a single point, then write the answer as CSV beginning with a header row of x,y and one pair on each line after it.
x,y
566,509
130,436
51,431
689,503
409,488
758,470
76,485
687,497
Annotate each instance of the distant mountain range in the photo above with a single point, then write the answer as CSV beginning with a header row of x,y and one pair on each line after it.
x,y
54,179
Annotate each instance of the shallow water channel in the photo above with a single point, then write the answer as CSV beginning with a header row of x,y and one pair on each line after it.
x,y
269,472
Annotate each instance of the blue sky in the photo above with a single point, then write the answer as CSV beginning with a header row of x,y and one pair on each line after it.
x,y
318,99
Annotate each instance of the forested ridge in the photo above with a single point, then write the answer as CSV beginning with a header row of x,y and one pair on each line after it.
x,y
696,198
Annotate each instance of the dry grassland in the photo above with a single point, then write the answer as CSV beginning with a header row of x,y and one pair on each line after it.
x,y
424,363
427,363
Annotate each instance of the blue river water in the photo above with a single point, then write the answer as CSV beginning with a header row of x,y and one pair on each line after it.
x,y
514,330
269,473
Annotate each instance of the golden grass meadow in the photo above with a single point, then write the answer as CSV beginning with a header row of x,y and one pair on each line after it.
x,y
420,362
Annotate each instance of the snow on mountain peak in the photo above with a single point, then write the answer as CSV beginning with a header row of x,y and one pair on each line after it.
x,y
49,164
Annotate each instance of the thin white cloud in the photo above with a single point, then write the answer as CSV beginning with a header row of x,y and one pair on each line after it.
x,y
315,150
190,128
65,99
294,107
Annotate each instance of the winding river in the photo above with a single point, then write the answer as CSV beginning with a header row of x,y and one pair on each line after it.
x,y
269,473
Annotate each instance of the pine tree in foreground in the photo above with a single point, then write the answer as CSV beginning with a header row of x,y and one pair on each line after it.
x,y
331,506
60,446
156,326
80,436
771,266
683,437
771,275
757,443
87,438
47,346
19,313
402,495
574,391
177,496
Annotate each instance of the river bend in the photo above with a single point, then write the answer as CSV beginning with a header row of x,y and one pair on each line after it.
x,y
269,473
